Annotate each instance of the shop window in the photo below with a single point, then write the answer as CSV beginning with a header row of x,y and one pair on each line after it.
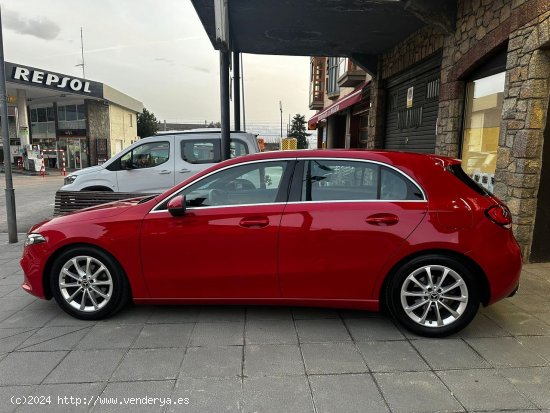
x,y
72,117
483,112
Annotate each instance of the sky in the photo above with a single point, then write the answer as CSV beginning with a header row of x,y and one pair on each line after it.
x,y
154,51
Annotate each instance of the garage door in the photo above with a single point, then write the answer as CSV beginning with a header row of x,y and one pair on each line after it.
x,y
412,109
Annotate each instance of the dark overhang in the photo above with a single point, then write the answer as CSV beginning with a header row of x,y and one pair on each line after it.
x,y
361,29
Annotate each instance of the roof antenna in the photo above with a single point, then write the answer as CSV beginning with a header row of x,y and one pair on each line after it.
x,y
82,52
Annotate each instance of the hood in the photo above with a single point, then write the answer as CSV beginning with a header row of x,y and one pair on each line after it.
x,y
88,170
96,212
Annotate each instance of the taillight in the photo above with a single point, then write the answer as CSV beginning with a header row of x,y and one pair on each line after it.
x,y
499,214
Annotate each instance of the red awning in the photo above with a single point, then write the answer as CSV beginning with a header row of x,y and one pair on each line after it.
x,y
341,104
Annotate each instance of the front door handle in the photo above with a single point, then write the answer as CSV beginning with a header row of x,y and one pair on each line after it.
x,y
184,171
382,219
164,172
254,222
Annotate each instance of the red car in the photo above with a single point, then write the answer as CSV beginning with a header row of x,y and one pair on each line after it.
x,y
348,229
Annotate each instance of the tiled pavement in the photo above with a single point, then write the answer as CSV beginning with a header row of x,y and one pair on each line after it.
x,y
267,359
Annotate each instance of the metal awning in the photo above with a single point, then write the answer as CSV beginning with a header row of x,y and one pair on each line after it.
x,y
341,104
360,29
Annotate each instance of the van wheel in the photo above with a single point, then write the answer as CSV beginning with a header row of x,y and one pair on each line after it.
x,y
433,295
88,284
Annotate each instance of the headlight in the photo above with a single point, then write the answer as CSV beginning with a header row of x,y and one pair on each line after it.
x,y
69,179
34,239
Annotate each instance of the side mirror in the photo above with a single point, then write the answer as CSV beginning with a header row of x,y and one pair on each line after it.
x,y
176,206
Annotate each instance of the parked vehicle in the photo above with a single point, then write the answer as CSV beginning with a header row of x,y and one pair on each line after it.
x,y
347,229
159,162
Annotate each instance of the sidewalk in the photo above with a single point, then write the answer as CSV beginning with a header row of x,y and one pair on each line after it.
x,y
269,359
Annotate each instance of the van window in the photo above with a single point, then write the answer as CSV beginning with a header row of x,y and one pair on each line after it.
x,y
199,151
147,155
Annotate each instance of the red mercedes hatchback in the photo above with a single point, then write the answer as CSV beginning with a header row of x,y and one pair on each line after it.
x,y
347,229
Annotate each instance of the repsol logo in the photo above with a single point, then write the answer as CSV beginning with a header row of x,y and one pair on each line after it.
x,y
51,79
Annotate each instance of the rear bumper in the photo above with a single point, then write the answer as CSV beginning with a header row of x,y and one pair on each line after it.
x,y
500,259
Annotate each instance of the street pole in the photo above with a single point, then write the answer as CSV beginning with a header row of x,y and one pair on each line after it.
x,y
10,192
281,108
224,100
237,90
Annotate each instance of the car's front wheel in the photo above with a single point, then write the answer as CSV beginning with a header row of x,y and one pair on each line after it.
x,y
433,295
88,284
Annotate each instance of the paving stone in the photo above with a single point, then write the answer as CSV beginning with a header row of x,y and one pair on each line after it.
x,y
164,335
11,338
416,392
540,345
216,314
270,331
273,360
140,396
320,331
530,303
277,394
103,336
28,367
449,354
131,314
211,394
482,326
212,362
391,356
12,396
505,352
483,389
85,366
533,382
30,319
53,338
217,334
313,313
332,358
346,393
150,364
174,314
60,397
268,313
62,319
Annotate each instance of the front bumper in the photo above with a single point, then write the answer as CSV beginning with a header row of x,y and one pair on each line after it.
x,y
33,263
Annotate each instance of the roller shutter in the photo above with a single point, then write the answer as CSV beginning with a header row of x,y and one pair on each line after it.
x,y
411,121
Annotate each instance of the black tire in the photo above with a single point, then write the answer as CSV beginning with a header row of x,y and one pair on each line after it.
x,y
118,291
439,320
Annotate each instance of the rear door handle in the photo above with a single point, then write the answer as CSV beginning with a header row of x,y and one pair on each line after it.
x,y
164,172
184,171
254,222
382,219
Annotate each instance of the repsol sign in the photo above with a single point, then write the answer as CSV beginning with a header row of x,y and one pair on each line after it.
x,y
51,80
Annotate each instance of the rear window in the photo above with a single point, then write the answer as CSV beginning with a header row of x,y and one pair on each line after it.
x,y
457,171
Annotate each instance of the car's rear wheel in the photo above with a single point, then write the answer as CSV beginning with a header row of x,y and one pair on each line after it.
x,y
433,295
88,284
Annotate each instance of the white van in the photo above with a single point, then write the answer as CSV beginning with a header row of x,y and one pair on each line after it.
x,y
159,162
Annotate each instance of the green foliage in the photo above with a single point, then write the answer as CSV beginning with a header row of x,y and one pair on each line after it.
x,y
147,124
298,130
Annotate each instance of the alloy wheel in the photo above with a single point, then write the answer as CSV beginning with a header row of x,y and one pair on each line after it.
x,y
85,283
434,296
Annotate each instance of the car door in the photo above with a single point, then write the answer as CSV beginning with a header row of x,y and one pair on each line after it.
x,y
148,167
345,218
225,246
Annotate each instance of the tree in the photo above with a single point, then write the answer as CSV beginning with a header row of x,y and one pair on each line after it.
x,y
298,131
147,124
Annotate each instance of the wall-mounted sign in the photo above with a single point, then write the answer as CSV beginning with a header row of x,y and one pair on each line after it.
x,y
410,96
71,132
12,99
56,81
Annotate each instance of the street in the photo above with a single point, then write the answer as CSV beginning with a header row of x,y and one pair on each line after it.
x,y
34,199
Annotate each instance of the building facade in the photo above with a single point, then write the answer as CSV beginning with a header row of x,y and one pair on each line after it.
x,y
478,91
52,112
